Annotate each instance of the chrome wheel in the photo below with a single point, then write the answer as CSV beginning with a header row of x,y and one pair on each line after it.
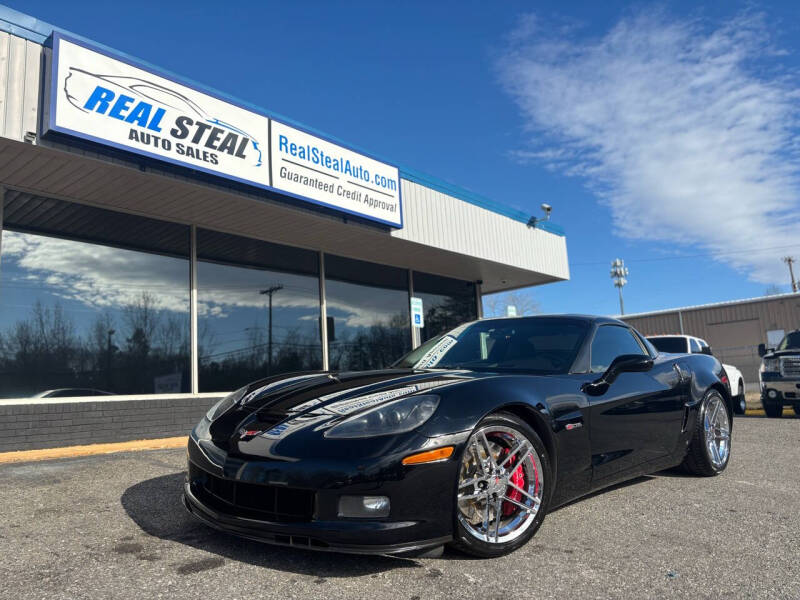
x,y
500,484
718,432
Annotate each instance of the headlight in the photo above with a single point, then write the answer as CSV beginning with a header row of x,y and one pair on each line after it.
x,y
395,417
226,403
769,364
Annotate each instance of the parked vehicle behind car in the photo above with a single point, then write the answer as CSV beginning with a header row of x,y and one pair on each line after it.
x,y
688,344
779,375
71,393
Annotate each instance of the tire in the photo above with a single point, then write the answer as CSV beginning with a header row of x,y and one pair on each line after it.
x,y
774,410
797,409
522,488
710,427
739,403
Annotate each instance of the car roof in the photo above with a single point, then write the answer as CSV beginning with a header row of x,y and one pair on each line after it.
x,y
678,335
578,317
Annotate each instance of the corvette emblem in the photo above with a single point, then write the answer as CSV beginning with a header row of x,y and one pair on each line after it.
x,y
248,433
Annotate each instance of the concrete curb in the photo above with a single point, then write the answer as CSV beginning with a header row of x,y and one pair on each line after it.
x,y
91,450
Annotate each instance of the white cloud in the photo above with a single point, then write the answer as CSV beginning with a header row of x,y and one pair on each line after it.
x,y
95,275
687,132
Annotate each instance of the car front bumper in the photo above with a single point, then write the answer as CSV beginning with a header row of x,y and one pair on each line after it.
x,y
421,497
788,388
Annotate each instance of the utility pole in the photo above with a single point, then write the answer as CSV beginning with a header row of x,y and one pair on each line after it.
x,y
269,291
790,261
109,353
619,273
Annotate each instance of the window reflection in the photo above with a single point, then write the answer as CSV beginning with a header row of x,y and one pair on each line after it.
x,y
81,319
446,303
369,323
240,338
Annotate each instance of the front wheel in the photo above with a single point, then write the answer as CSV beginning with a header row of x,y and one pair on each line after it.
x,y
774,410
502,491
710,447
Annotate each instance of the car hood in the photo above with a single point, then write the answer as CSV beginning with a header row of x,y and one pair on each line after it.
x,y
275,408
787,352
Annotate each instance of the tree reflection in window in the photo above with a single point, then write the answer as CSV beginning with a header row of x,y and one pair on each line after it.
x,y
86,319
237,279
368,310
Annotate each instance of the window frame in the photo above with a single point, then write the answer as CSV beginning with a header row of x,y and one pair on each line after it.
x,y
631,332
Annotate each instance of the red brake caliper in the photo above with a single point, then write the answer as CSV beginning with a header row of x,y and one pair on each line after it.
x,y
518,479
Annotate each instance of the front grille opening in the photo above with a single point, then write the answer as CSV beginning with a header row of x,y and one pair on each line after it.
x,y
790,366
252,500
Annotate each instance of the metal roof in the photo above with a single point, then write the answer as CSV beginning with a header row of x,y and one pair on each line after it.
x,y
710,305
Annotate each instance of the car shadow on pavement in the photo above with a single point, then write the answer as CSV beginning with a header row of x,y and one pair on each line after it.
x,y
605,490
155,506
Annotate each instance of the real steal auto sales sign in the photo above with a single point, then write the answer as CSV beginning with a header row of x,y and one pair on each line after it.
x,y
117,102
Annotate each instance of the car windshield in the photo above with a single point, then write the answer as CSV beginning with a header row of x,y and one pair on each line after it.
x,y
543,345
670,344
792,340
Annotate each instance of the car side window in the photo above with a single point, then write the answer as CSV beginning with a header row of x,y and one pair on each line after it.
x,y
612,341
695,346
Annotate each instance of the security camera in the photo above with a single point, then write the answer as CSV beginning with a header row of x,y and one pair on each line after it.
x,y
547,209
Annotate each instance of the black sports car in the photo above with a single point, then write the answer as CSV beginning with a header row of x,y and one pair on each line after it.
x,y
469,439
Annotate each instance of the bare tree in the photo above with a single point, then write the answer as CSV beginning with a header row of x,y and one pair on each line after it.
x,y
773,290
496,305
171,336
141,318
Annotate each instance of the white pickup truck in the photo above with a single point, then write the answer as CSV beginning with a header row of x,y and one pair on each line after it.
x,y
688,344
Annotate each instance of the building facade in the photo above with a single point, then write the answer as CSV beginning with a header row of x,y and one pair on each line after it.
x,y
160,237
733,329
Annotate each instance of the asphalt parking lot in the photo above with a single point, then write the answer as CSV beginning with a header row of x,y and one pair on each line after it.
x,y
112,526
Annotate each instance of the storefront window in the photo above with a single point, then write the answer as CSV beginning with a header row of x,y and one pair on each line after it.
x,y
88,305
240,339
446,303
368,314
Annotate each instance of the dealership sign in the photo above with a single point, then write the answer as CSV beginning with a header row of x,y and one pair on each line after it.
x,y
307,165
116,102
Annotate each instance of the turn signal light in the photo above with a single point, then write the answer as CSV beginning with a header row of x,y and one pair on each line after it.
x,y
429,456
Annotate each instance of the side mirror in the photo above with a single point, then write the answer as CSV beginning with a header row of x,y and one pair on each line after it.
x,y
625,363
707,350
762,349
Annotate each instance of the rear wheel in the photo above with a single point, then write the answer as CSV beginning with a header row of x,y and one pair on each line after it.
x,y
502,492
739,403
710,447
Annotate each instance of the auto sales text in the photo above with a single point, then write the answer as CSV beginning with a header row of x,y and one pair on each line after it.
x,y
201,140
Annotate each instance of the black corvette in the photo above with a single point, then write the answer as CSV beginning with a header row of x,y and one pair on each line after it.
x,y
470,439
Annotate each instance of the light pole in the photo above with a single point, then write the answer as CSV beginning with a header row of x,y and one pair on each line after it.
x,y
109,353
269,291
790,261
619,273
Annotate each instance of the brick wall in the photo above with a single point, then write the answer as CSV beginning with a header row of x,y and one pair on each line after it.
x,y
30,424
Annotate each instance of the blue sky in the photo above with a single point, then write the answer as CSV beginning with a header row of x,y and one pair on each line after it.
x,y
663,134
